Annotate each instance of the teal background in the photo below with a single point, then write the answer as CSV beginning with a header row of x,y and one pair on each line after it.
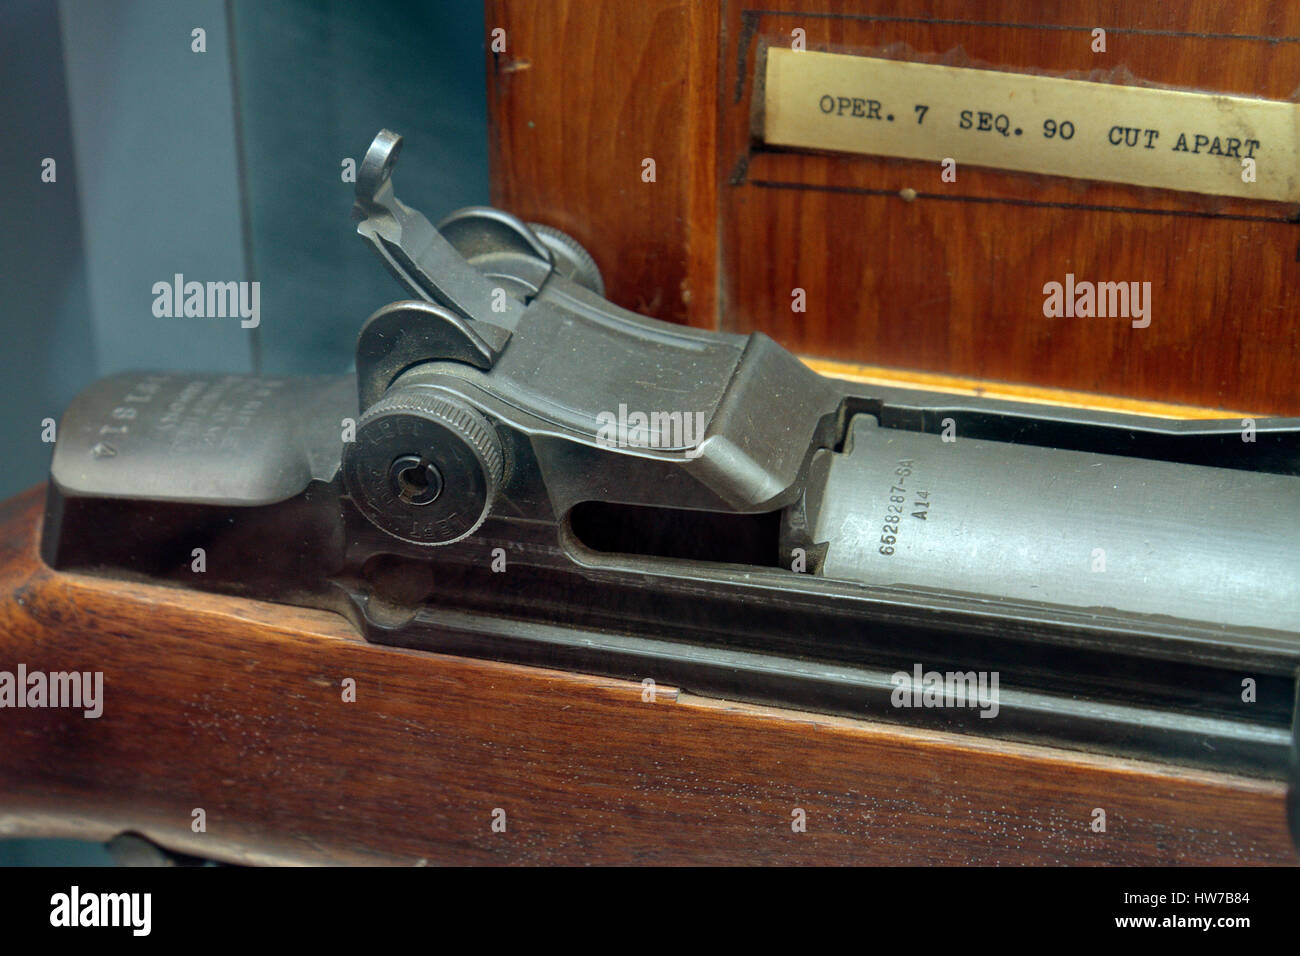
x,y
220,165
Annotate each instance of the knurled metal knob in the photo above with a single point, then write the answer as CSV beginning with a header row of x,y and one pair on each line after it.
x,y
425,467
571,257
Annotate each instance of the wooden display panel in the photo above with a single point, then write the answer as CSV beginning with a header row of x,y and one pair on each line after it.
x,y
948,282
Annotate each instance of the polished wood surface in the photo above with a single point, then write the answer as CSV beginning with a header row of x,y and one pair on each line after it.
x,y
948,281
235,707
586,93
1014,392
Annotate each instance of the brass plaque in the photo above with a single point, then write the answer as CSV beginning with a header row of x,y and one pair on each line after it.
x,y
1171,139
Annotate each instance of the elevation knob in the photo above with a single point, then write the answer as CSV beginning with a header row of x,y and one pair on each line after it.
x,y
425,466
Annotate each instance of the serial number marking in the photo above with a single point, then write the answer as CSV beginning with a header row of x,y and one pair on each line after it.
x,y
897,506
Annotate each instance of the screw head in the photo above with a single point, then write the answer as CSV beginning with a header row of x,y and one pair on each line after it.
x,y
425,466
416,481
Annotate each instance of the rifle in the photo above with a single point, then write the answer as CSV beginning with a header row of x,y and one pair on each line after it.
x,y
547,581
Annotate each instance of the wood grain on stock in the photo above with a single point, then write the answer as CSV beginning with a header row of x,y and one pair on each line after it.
x,y
951,282
234,706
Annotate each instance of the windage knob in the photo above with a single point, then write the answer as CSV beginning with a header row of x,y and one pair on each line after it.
x,y
425,467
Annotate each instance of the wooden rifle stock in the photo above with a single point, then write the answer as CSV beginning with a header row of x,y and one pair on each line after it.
x,y
236,708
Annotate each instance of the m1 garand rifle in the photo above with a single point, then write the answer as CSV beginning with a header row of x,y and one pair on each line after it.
x,y
550,581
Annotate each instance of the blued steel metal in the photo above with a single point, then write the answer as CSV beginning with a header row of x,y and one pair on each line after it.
x,y
524,471
1047,526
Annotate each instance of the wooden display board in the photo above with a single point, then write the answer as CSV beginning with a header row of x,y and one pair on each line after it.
x,y
898,267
